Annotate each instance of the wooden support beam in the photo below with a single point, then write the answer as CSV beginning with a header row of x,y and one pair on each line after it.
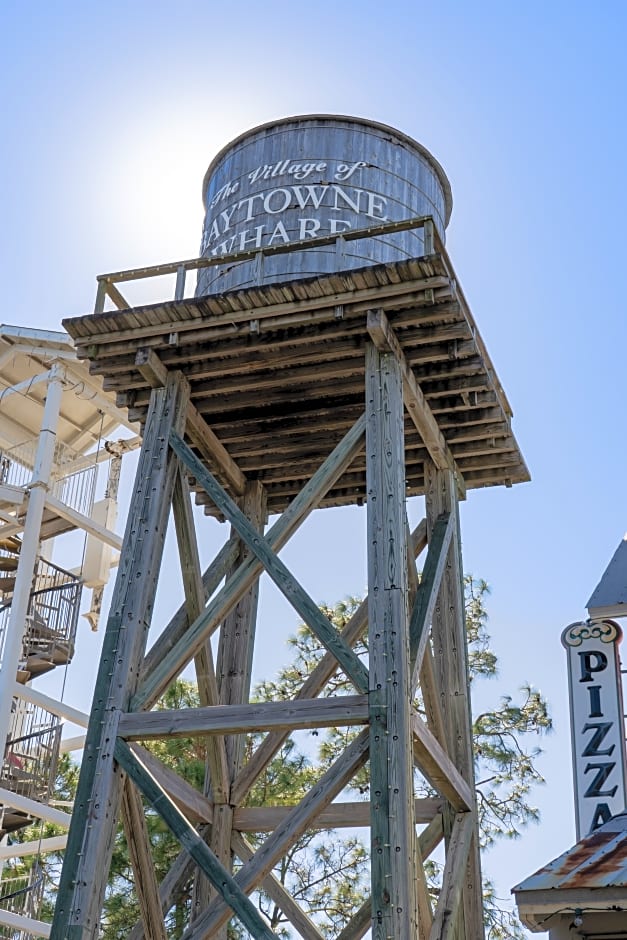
x,y
445,917
397,910
448,630
243,719
230,892
237,634
274,567
427,593
175,629
235,660
428,688
171,887
179,654
193,804
385,340
140,855
195,602
200,434
313,685
115,295
293,826
87,859
359,924
438,768
431,836
295,914
336,816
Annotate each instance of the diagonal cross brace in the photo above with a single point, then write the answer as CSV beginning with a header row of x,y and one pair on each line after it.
x,y
277,570
427,592
219,877
170,654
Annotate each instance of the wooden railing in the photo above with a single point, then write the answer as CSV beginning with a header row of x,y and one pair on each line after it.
x,y
107,282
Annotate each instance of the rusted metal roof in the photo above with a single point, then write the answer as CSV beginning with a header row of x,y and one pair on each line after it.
x,y
592,875
598,861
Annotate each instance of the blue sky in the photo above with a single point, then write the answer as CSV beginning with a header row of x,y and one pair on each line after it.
x,y
112,112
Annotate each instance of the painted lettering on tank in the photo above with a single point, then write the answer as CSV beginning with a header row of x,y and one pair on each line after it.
x,y
359,205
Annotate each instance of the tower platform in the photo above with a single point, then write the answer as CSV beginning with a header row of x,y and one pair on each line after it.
x,y
277,372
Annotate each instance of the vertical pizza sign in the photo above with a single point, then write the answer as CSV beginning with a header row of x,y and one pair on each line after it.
x,y
597,723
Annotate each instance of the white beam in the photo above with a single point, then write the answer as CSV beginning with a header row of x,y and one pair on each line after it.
x,y
34,808
84,522
61,709
73,744
24,386
21,849
34,928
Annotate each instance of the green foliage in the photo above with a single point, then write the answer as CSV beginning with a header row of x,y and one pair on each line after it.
x,y
328,872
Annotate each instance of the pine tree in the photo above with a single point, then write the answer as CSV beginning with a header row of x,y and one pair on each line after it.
x,y
328,872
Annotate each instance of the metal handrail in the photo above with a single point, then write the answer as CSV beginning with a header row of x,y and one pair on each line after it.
x,y
107,282
34,734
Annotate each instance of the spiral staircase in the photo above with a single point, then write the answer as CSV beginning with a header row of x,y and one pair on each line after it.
x,y
55,448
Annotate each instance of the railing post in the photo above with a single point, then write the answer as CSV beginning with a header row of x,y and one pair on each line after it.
x,y
179,290
101,296
30,546
429,237
340,252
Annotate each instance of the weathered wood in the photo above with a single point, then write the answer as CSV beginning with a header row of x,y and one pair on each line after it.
x,y
293,826
295,914
427,593
81,891
170,888
335,816
453,878
221,879
115,295
431,836
179,623
195,602
180,653
243,719
139,850
451,669
269,251
438,768
394,900
214,451
235,656
220,844
313,685
155,373
237,634
274,567
428,689
193,804
384,338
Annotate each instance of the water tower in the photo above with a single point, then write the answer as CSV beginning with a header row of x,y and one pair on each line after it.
x,y
327,358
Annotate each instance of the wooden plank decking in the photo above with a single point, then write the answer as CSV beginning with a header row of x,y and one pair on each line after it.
x,y
277,372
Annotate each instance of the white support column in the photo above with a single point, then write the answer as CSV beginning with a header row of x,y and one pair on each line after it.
x,y
30,546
